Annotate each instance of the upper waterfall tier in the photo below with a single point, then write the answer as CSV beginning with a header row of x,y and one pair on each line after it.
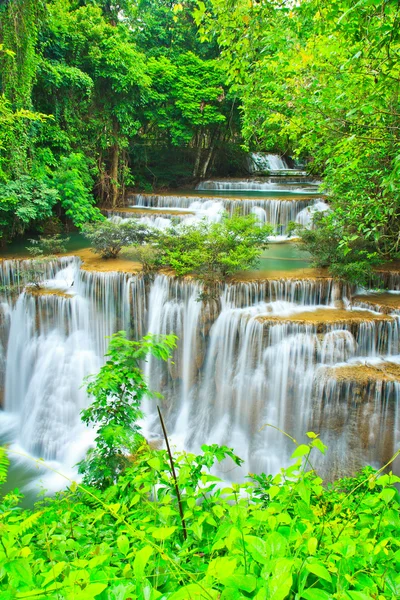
x,y
277,212
264,162
259,185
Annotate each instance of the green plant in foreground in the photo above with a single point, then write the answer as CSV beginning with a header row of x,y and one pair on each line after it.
x,y
118,390
304,541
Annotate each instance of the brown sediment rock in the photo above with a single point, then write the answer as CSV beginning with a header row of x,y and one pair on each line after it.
x,y
325,316
301,273
383,303
143,211
362,374
94,262
43,291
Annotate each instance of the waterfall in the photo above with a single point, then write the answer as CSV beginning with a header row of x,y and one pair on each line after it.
x,y
254,366
276,212
306,215
264,351
260,161
358,418
257,185
54,339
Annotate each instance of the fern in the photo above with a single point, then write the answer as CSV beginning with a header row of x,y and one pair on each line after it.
x,y
23,527
4,462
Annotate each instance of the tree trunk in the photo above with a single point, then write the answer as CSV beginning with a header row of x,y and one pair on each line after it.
x,y
114,175
209,155
198,155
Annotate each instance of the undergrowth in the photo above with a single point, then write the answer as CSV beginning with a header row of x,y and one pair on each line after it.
x,y
286,536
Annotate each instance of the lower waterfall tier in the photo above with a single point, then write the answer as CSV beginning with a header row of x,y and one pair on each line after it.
x,y
272,352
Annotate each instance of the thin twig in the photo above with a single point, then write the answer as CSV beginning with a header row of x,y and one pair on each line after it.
x,y
173,475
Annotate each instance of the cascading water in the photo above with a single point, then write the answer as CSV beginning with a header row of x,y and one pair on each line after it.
x,y
55,337
306,215
264,351
256,371
257,185
279,213
261,161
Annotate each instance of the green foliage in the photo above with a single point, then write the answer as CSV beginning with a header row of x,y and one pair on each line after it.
x,y
326,244
118,391
188,95
326,90
73,182
213,251
4,462
49,245
108,237
301,540
23,203
147,255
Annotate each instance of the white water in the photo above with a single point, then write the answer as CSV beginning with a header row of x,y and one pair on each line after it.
x,y
231,373
305,217
276,212
261,161
257,185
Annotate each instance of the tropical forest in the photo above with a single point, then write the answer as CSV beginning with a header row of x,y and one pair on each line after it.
x,y
199,299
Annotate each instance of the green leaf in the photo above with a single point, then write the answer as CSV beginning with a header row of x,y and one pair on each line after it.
x,y
141,560
243,582
312,545
162,533
301,450
257,548
155,463
53,573
221,567
304,492
123,544
316,594
280,582
387,495
20,569
319,570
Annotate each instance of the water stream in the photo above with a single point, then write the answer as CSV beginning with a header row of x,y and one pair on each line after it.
x,y
287,350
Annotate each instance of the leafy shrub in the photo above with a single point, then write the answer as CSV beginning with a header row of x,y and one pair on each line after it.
x,y
118,391
23,203
49,245
147,255
74,184
108,237
350,258
213,251
301,540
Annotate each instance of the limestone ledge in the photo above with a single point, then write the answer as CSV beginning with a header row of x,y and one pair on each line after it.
x,y
364,373
322,317
143,211
383,303
44,291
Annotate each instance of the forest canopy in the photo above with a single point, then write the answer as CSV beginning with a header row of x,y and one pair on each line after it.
x,y
101,96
